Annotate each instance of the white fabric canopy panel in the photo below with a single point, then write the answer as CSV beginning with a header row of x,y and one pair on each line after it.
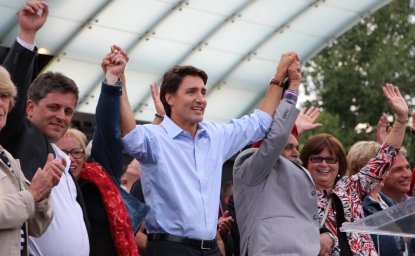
x,y
238,43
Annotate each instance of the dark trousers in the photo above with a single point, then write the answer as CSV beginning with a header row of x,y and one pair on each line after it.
x,y
168,248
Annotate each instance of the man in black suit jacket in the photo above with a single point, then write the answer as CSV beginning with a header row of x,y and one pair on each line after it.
x,y
42,114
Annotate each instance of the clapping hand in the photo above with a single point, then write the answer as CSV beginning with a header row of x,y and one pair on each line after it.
x,y
45,179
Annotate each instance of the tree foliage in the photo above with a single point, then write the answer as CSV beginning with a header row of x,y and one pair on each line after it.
x,y
348,76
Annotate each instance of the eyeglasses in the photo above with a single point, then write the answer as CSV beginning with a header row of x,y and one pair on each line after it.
x,y
75,153
319,159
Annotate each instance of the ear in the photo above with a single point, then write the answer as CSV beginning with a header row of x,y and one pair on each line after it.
x,y
29,108
169,99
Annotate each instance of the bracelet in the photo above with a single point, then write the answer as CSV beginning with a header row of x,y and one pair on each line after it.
x,y
276,82
159,116
399,125
402,122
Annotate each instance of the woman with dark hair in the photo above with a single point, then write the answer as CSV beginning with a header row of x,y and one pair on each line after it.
x,y
339,196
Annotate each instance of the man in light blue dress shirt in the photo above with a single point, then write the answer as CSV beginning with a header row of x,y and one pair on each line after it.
x,y
181,158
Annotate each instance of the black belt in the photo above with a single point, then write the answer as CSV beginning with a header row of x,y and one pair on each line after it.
x,y
198,244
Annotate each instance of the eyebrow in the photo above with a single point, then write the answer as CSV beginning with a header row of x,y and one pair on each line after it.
x,y
291,145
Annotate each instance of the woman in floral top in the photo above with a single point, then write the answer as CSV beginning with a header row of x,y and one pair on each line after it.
x,y
340,197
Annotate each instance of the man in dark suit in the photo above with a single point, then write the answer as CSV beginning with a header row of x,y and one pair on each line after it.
x,y
394,189
34,125
275,199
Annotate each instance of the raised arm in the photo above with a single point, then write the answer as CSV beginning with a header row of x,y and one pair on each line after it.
x,y
400,108
30,21
252,167
273,95
160,112
19,63
378,167
106,145
127,120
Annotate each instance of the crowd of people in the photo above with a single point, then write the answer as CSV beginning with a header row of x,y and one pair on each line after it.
x,y
156,189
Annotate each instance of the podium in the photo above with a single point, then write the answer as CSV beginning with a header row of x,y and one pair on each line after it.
x,y
397,220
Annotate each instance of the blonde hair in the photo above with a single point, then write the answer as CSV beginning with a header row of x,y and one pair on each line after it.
x,y
7,87
359,155
78,135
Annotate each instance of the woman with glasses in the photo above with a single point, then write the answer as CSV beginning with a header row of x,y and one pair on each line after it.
x,y
103,201
339,196
73,143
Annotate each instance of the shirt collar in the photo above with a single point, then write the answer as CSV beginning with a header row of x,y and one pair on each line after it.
x,y
173,130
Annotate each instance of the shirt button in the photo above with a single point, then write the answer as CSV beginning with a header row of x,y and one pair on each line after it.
x,y
313,193
315,217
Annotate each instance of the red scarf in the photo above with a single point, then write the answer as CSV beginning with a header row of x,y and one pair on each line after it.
x,y
119,221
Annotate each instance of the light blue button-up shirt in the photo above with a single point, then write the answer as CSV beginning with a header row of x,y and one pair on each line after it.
x,y
181,176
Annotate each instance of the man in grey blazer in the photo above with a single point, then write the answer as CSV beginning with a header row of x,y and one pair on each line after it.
x,y
275,199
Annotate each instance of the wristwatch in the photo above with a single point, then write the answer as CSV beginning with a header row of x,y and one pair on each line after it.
x,y
275,82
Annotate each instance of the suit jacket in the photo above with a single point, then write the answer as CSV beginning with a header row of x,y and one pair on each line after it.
x,y
275,199
17,207
20,136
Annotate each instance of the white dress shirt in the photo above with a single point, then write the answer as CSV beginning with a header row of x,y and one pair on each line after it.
x,y
66,234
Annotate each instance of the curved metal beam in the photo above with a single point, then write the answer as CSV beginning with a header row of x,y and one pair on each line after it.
x,y
328,40
261,43
148,33
201,44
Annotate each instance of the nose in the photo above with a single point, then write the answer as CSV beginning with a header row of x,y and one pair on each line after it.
x,y
407,172
200,97
60,114
295,153
2,100
323,162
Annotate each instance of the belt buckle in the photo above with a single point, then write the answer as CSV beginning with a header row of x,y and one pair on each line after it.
x,y
202,246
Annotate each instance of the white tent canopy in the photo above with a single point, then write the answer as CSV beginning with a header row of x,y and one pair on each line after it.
x,y
237,42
